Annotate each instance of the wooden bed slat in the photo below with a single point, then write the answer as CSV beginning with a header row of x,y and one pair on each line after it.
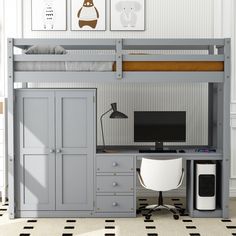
x,y
172,66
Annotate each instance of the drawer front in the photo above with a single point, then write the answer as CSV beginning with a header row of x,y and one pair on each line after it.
x,y
115,183
115,204
111,163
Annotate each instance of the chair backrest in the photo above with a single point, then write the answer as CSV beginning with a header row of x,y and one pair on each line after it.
x,y
161,174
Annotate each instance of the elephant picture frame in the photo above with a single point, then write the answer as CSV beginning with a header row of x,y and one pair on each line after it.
x,y
127,15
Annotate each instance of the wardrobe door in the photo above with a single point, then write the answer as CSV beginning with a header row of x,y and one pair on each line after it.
x,y
35,142
75,148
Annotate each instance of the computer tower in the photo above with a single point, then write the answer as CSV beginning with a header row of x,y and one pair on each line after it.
x,y
205,186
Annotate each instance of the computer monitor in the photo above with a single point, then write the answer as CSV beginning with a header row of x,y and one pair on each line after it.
x,y
159,127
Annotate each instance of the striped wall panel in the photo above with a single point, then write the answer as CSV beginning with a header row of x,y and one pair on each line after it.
x,y
164,19
191,98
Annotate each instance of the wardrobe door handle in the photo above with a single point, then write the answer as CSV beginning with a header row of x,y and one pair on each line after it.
x,y
58,150
51,150
114,164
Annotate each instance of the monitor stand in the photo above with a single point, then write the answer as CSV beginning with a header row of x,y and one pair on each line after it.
x,y
158,145
158,149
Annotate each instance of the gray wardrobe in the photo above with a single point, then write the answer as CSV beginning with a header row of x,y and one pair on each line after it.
x,y
55,144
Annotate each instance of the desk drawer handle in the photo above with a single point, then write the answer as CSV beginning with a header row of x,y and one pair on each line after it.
x,y
114,184
114,164
114,204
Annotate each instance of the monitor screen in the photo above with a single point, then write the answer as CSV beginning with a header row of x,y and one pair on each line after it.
x,y
159,126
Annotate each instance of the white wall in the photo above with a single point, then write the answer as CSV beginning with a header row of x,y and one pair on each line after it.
x,y
1,150
164,19
10,26
1,48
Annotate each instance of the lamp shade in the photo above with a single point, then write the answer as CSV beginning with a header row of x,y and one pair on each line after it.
x,y
114,115
117,114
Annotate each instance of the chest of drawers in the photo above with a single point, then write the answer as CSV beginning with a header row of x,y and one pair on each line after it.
x,y
115,185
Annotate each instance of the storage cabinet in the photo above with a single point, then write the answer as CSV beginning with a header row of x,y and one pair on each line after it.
x,y
55,144
116,185
75,148
191,182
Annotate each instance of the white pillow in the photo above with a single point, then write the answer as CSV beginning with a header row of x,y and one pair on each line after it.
x,y
45,49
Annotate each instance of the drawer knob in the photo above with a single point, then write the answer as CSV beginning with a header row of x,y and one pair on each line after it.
x,y
114,164
114,204
114,184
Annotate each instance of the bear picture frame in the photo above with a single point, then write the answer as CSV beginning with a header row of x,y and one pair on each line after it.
x,y
127,15
88,15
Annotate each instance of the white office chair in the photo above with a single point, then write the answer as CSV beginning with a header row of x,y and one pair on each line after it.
x,y
161,175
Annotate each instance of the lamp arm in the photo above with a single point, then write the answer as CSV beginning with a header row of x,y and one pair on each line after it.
x,y
103,139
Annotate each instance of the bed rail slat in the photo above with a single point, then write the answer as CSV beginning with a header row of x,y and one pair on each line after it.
x,y
173,57
64,57
95,77
69,44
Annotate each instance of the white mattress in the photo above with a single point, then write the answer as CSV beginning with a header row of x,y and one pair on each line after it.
x,y
62,66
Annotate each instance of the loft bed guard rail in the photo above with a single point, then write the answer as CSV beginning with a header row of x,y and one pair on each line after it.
x,y
170,60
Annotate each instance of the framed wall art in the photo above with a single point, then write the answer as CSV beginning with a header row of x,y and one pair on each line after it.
x,y
88,14
48,14
127,14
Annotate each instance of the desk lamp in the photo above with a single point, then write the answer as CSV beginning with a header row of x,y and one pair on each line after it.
x,y
114,115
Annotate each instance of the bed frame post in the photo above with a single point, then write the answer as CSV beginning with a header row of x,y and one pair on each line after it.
x,y
226,130
11,154
210,104
119,73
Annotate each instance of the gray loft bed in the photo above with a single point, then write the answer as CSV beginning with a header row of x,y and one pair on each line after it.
x,y
207,50
118,56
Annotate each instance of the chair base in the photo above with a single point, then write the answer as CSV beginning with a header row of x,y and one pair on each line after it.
x,y
151,208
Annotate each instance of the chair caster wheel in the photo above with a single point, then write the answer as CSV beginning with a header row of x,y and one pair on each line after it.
x,y
138,212
181,211
176,217
147,217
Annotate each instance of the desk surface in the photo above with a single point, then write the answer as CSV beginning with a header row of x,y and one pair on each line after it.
x,y
188,155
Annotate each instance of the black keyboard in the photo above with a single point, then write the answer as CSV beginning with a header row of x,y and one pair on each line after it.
x,y
156,151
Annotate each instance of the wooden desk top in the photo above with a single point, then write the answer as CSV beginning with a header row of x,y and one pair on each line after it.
x,y
188,155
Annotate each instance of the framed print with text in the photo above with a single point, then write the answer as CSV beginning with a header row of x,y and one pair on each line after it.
x,y
48,14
